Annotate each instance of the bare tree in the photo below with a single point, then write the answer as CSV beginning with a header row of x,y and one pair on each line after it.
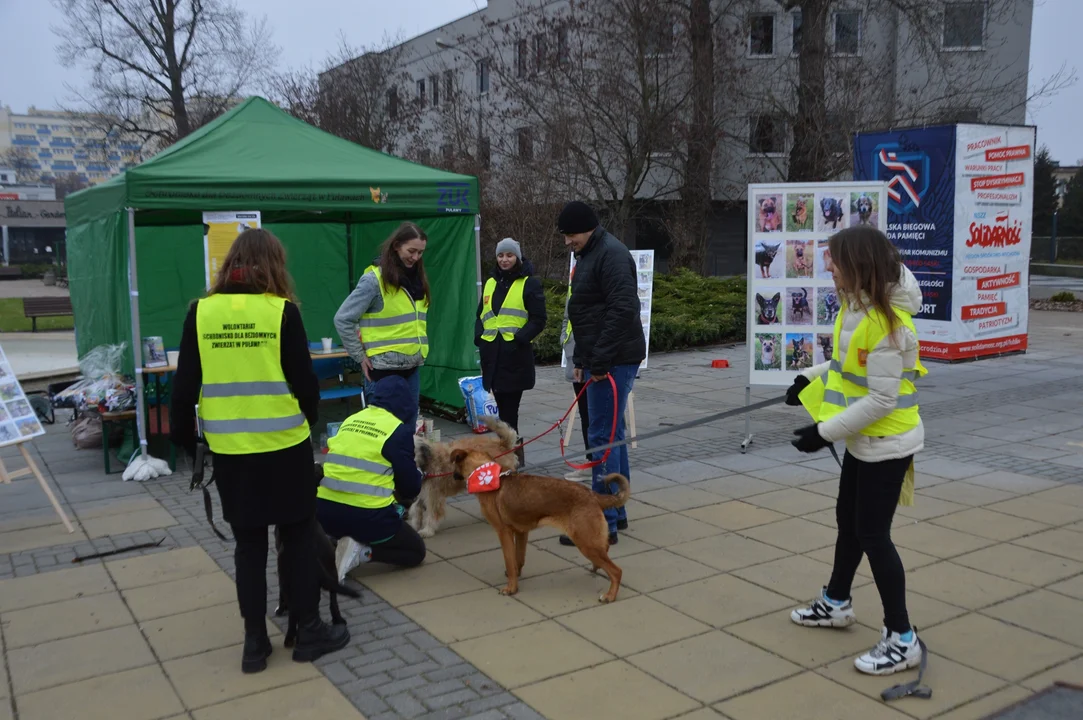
x,y
162,68
23,162
67,183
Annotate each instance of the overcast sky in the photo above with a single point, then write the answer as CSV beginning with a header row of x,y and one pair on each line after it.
x,y
307,30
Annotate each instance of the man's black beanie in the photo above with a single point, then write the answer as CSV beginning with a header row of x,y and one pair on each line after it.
x,y
576,217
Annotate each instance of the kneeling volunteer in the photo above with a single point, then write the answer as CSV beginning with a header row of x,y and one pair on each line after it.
x,y
370,479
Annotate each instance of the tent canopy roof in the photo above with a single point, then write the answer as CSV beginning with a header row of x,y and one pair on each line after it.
x,y
257,157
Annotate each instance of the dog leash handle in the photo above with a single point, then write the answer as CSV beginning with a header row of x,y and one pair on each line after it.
x,y
913,687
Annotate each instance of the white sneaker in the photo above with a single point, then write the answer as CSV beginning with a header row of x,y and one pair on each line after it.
x,y
579,475
349,554
823,613
891,654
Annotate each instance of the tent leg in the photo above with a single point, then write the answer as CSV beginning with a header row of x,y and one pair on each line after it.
x,y
477,250
137,354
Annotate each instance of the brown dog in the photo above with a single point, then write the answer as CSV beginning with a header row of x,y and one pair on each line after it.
x,y
434,459
524,502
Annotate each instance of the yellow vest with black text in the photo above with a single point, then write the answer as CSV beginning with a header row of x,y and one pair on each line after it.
x,y
512,315
400,326
245,404
847,378
355,471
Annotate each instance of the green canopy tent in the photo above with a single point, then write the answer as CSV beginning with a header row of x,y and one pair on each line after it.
x,y
330,201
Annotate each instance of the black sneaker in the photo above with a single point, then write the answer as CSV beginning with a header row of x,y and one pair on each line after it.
x,y
257,648
317,638
567,541
622,524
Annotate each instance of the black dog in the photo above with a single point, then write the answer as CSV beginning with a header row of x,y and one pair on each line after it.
x,y
765,255
832,211
328,574
826,343
831,305
799,305
800,357
768,314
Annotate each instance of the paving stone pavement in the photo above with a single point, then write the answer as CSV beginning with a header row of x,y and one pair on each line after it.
x,y
721,544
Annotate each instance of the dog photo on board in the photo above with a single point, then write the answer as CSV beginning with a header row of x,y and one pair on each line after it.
x,y
831,215
800,215
769,307
799,306
823,261
768,351
769,213
799,258
824,345
827,305
864,209
770,262
798,351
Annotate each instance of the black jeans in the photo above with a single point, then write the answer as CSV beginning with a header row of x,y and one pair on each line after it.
x,y
508,405
584,414
299,559
405,548
868,495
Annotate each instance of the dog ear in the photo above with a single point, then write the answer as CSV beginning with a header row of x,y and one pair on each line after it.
x,y
457,456
777,297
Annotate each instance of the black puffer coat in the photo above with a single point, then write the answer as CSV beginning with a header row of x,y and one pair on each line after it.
x,y
604,307
509,366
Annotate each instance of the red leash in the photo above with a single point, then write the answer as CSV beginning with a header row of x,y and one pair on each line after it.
x,y
584,466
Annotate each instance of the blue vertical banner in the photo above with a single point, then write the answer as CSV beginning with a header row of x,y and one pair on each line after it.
x,y
918,166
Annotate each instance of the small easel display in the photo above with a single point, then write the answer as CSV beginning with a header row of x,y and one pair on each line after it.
x,y
18,424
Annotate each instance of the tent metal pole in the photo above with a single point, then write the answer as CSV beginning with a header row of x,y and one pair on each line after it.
x,y
477,250
137,354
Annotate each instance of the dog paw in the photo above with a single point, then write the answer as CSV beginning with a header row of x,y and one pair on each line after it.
x,y
509,591
426,532
604,599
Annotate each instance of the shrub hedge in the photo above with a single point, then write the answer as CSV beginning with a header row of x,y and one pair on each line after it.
x,y
687,310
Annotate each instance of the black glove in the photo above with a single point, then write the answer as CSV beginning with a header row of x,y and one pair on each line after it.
x,y
799,383
405,502
808,439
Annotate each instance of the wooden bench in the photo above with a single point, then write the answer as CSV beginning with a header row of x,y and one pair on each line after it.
x,y
36,307
11,273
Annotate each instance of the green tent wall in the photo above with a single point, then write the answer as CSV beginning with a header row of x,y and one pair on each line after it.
x,y
315,192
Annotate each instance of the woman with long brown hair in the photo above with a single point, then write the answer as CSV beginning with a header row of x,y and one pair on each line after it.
x,y
865,394
244,361
383,323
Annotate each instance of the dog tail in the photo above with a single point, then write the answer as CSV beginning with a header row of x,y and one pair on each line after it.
x,y
624,491
508,438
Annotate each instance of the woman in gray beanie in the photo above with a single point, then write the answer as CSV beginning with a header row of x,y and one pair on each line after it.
x,y
510,315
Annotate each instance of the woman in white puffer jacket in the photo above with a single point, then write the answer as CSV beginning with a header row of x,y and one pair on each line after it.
x,y
866,396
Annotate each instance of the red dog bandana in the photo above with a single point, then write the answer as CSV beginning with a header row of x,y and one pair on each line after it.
x,y
484,479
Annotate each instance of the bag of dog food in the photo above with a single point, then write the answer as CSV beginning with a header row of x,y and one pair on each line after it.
x,y
478,402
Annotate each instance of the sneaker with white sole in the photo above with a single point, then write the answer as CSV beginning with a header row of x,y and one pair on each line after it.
x,y
891,654
349,554
822,612
579,475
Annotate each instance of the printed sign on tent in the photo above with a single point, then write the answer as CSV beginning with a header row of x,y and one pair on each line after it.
x,y
220,229
792,302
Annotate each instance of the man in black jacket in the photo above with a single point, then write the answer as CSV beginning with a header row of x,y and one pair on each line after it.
x,y
604,313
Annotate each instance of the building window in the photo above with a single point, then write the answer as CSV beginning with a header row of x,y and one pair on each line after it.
x,y
837,135
393,104
449,84
522,58
847,33
660,36
761,35
795,33
434,83
482,70
421,95
960,115
445,152
541,52
964,26
485,152
562,46
526,144
767,135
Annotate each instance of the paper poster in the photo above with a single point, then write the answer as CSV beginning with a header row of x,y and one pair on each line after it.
x,y
220,229
644,260
18,422
792,302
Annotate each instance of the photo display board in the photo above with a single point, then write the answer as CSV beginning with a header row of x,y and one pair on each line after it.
x,y
792,302
18,421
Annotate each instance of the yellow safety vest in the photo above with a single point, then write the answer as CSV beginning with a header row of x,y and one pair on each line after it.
x,y
568,322
355,471
847,378
400,326
512,315
245,403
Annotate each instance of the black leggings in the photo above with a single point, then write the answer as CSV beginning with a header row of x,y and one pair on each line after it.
x,y
868,494
405,548
507,403
299,559
584,413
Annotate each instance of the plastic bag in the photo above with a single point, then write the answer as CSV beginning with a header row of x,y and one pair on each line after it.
x,y
87,432
102,385
479,402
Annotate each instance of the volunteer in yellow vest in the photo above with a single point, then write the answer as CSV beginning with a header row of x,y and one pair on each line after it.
x,y
867,394
370,479
510,315
244,360
382,323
